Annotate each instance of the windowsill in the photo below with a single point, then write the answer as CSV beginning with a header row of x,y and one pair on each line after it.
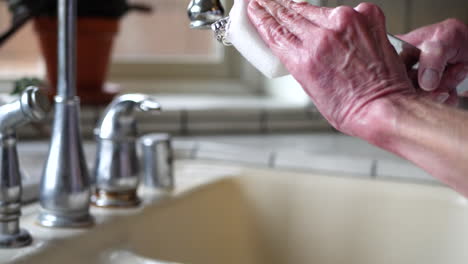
x,y
208,114
186,86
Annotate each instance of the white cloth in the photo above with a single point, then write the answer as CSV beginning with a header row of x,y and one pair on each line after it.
x,y
244,37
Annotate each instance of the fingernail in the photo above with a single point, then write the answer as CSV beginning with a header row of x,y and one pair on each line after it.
x,y
430,79
441,98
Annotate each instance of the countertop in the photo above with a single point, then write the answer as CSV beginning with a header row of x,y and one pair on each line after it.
x,y
331,153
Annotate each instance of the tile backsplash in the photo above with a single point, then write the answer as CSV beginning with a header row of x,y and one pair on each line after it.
x,y
204,115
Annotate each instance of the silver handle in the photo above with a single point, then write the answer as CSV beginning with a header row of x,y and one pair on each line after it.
x,y
118,121
33,105
157,161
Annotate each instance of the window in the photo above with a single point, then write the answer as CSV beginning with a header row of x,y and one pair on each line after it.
x,y
20,55
164,35
159,46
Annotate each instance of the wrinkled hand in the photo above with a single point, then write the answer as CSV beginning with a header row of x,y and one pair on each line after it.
x,y
341,57
443,62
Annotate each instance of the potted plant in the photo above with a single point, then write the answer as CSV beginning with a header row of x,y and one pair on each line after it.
x,y
97,26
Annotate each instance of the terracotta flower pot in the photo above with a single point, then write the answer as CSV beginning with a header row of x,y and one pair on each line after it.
x,y
95,38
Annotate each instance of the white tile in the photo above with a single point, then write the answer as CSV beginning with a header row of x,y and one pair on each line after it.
x,y
351,146
232,153
223,120
296,125
184,149
166,121
156,127
200,127
293,119
323,163
402,170
224,114
286,113
163,116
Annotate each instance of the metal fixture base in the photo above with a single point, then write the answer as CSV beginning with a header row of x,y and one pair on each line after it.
x,y
49,219
200,24
220,29
65,191
22,239
123,199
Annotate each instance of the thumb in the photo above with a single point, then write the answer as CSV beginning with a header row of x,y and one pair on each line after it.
x,y
433,60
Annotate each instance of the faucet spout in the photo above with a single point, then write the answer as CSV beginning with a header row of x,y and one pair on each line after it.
x,y
118,121
65,184
203,13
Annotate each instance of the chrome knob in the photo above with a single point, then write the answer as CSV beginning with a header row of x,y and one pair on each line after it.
x,y
203,13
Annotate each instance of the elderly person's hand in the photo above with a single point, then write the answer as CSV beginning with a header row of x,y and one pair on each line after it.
x,y
341,57
443,62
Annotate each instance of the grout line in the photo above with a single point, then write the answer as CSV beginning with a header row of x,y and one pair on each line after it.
x,y
97,116
193,152
263,121
373,172
272,159
184,122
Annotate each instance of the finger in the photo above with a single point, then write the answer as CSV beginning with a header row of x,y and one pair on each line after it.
x,y
418,36
276,36
373,14
313,13
293,21
447,91
453,99
432,63
454,76
375,18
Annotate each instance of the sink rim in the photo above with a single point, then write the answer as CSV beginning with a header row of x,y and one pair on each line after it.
x,y
185,186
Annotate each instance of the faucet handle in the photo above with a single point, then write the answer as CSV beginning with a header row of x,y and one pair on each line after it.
x,y
118,121
149,105
125,104
33,105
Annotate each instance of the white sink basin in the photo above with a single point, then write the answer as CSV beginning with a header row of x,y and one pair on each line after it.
x,y
262,216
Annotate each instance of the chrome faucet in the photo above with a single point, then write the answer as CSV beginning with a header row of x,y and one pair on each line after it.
x,y
31,106
65,189
117,168
203,13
